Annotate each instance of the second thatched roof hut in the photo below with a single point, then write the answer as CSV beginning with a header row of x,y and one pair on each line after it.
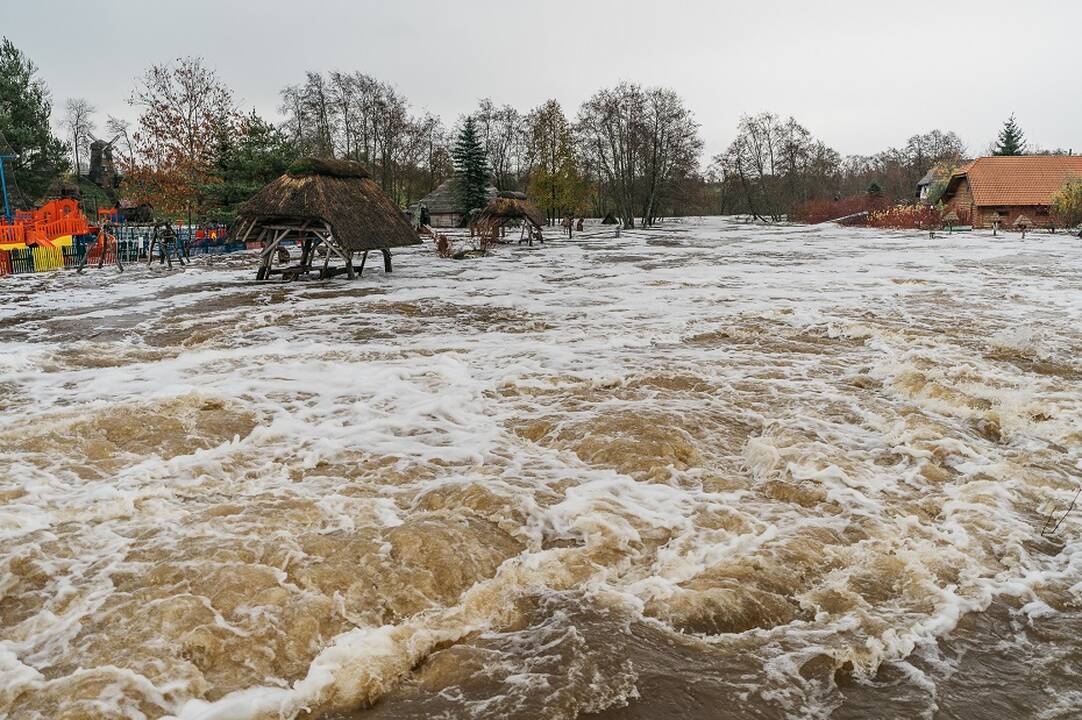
x,y
326,202
506,208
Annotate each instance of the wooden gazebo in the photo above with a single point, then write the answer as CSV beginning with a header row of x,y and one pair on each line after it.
x,y
505,208
1023,223
330,208
950,220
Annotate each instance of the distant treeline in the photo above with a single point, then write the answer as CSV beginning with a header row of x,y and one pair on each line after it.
x,y
629,150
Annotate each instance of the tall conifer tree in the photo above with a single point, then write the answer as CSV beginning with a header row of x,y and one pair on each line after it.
x,y
1011,141
471,167
25,107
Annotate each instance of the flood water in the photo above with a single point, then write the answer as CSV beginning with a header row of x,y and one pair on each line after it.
x,y
711,470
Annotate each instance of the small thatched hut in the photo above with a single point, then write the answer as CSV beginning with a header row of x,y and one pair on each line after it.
x,y
327,206
506,208
950,220
1023,223
443,206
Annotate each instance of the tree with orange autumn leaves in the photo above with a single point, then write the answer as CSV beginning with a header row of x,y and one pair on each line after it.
x,y
185,110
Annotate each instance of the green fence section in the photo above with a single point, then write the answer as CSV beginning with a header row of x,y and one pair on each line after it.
x,y
131,246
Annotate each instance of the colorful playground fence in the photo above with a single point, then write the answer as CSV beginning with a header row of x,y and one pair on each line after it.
x,y
37,259
131,246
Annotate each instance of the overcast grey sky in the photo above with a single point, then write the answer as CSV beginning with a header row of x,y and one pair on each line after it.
x,y
861,75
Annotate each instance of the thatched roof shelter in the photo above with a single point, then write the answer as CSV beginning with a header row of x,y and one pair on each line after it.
x,y
322,201
444,206
950,218
508,207
338,194
1022,222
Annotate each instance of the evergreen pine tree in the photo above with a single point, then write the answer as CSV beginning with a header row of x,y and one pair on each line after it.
x,y
471,167
25,107
248,155
1011,141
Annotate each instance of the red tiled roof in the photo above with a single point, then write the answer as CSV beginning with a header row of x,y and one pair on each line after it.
x,y
1019,179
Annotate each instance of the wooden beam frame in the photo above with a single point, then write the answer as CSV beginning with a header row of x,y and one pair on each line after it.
x,y
310,235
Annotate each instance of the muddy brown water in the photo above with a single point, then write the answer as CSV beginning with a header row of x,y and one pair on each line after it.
x,y
710,471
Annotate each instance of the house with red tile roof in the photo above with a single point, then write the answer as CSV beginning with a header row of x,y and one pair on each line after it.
x,y
1002,188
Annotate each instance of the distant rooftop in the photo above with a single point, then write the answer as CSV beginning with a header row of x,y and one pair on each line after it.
x,y
444,199
1017,179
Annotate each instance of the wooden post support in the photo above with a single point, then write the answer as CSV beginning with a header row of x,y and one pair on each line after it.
x,y
326,261
306,254
386,259
165,253
266,255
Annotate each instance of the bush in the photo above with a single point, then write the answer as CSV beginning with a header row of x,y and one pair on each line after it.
x,y
817,211
1067,203
906,217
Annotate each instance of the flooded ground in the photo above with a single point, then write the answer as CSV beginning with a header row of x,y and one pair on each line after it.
x,y
710,470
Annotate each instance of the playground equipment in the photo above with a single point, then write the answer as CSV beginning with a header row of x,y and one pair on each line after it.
x,y
58,234
106,242
6,154
52,225
165,239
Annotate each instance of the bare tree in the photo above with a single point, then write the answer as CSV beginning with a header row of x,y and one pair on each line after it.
x,y
118,128
342,89
608,126
316,99
752,160
186,110
504,135
672,147
641,142
79,122
356,117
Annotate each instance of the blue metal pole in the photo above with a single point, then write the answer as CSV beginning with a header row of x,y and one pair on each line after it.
x,y
4,189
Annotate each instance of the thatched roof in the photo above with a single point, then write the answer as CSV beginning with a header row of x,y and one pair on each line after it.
x,y
1022,221
929,177
338,193
951,217
446,200
504,209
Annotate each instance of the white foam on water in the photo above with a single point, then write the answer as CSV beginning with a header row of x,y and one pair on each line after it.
x,y
855,413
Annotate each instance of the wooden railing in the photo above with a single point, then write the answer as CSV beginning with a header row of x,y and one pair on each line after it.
x,y
54,219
